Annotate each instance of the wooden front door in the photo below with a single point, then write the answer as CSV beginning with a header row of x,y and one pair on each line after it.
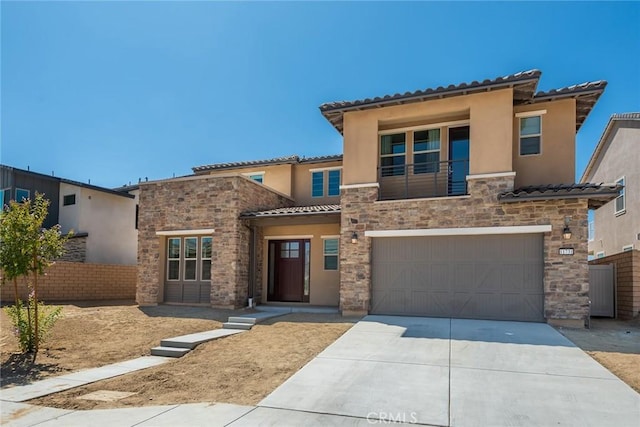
x,y
288,271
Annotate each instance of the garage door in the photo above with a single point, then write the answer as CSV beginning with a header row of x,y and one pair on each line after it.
x,y
497,277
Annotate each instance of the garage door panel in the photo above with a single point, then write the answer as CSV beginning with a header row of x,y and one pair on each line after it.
x,y
484,277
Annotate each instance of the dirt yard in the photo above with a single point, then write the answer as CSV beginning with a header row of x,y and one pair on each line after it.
x,y
240,369
614,344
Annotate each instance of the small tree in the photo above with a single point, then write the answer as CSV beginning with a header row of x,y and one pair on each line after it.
x,y
28,248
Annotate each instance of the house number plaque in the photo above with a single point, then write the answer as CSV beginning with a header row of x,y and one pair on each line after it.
x,y
566,251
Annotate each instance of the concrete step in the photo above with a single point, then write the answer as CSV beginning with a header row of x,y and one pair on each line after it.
x,y
169,351
191,341
249,320
234,325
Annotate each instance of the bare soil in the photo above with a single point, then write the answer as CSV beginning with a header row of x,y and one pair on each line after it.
x,y
615,344
241,369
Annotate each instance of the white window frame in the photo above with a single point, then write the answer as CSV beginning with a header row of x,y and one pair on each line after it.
x,y
185,259
22,189
627,248
600,254
325,180
179,239
251,176
325,254
591,231
528,115
621,196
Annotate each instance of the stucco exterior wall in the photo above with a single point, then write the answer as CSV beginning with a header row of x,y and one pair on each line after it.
x,y
196,203
566,278
490,117
324,284
556,162
302,184
278,177
621,157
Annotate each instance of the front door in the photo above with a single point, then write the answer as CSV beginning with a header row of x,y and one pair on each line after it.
x,y
458,160
288,271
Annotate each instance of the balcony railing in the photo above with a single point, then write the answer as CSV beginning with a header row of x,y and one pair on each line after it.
x,y
420,180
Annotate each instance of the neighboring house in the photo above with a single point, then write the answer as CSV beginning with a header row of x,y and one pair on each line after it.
x,y
103,220
616,159
446,202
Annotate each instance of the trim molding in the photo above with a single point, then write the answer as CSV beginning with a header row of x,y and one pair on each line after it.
x,y
332,236
328,168
490,175
202,231
369,184
467,231
531,113
290,237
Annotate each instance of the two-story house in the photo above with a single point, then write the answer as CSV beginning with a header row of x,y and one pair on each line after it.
x,y
616,159
103,220
455,201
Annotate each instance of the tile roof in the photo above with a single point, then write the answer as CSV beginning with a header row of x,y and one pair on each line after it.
x,y
293,159
596,193
524,85
293,211
613,120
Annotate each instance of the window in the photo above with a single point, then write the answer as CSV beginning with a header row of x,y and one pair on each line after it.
x,y
392,154
426,151
330,252
317,184
318,180
620,202
591,231
334,183
22,194
190,257
257,177
137,215
5,197
600,255
290,250
627,248
69,199
173,257
530,134
205,257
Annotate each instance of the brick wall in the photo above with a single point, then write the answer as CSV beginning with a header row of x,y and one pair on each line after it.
x,y
566,278
201,203
72,281
627,268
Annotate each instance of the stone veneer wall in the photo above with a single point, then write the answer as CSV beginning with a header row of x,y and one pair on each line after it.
x,y
75,249
201,203
566,278
627,268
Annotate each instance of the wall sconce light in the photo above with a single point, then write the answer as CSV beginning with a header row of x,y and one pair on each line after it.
x,y
354,237
566,231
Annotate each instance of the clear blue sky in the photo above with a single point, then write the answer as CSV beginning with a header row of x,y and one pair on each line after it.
x,y
116,91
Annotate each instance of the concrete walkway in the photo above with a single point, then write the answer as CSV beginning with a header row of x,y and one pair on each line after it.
x,y
438,372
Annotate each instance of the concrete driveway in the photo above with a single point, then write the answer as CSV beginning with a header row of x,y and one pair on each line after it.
x,y
450,372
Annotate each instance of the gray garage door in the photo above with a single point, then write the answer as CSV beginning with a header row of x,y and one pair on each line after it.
x,y
477,277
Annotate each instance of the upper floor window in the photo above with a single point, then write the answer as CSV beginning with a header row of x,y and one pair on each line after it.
x,y
627,248
620,202
426,151
22,194
392,154
318,182
530,135
600,255
5,196
255,176
69,199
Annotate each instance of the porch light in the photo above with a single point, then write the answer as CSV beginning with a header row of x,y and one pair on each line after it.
x,y
566,231
354,237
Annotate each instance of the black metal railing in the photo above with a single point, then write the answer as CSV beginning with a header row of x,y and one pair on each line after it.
x,y
430,179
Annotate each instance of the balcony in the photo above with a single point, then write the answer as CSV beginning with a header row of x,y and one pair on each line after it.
x,y
422,180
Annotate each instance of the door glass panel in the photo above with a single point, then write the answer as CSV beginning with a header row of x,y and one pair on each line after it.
x,y
272,259
173,255
307,269
205,256
190,255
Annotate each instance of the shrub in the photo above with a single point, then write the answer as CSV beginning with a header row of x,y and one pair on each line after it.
x,y
23,319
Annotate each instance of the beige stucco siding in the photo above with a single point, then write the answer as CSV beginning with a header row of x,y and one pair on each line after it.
x,y
324,284
621,157
556,162
278,177
490,120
